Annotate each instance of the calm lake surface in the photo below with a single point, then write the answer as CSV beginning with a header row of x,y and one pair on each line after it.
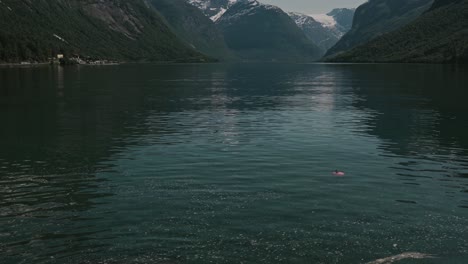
x,y
233,163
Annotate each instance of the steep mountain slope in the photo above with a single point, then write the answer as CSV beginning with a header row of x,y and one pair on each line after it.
x,y
324,30
191,25
113,29
377,17
439,35
256,31
344,18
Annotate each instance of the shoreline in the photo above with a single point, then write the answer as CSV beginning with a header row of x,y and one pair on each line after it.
x,y
41,64
23,64
113,63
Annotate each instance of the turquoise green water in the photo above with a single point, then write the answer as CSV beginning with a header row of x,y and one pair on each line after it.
x,y
232,163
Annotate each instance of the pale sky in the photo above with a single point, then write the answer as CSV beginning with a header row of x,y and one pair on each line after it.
x,y
313,6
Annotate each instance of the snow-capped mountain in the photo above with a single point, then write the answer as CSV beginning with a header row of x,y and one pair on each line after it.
x,y
339,20
325,30
324,36
239,9
214,9
257,31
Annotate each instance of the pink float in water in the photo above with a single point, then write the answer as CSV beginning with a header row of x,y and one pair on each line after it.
x,y
338,173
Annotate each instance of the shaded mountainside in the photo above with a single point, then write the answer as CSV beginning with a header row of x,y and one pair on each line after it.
x,y
325,34
439,36
111,29
377,17
192,26
256,31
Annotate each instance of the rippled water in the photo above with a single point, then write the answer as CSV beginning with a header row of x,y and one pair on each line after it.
x,y
232,163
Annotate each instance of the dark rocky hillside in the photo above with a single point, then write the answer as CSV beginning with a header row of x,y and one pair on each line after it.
x,y
377,17
111,29
440,35
191,25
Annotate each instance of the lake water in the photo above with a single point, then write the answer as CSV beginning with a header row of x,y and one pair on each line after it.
x,y
233,163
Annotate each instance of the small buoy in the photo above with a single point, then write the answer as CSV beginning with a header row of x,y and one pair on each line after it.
x,y
338,173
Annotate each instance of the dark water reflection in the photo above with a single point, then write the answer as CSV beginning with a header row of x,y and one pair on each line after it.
x,y
231,163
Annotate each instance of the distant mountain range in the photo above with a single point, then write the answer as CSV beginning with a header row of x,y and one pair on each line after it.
x,y
270,34
260,32
324,30
232,30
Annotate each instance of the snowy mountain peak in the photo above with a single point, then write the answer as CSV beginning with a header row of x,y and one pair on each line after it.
x,y
215,9
244,8
301,19
338,20
324,29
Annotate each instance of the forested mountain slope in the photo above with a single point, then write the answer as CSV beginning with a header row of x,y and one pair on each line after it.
x,y
377,17
111,29
439,36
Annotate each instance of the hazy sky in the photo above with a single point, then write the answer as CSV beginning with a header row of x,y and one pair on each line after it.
x,y
313,6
